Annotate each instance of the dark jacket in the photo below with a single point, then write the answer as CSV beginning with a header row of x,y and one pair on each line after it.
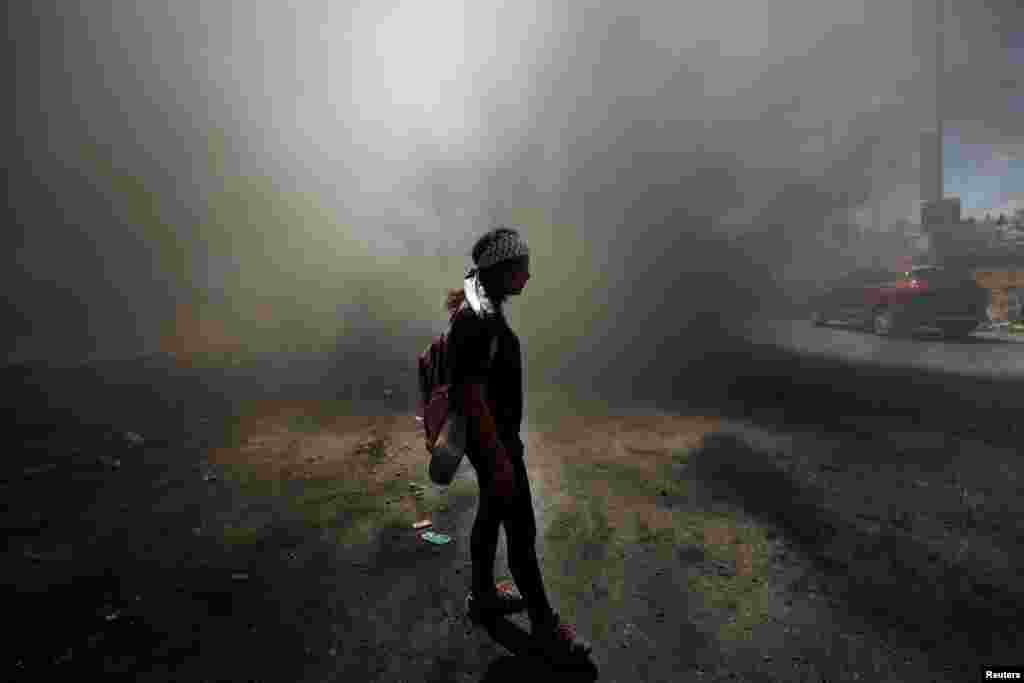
x,y
470,342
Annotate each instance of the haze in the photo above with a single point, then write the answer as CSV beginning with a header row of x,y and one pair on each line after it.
x,y
282,176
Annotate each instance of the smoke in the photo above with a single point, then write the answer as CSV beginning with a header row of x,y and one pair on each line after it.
x,y
306,172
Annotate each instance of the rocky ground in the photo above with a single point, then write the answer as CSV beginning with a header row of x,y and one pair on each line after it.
x,y
147,541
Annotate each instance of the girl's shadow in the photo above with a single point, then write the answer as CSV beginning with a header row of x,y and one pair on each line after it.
x,y
510,669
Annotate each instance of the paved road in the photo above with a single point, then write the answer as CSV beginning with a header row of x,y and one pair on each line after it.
x,y
982,354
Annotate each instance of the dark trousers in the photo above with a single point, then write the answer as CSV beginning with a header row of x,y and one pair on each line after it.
x,y
516,514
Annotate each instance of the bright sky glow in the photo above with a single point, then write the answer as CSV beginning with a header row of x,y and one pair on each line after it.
x,y
408,66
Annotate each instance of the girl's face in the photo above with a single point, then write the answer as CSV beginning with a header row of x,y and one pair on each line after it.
x,y
517,278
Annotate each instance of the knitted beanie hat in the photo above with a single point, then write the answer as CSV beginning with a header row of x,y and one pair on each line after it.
x,y
506,246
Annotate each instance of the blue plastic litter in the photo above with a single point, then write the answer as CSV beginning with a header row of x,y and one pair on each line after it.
x,y
435,538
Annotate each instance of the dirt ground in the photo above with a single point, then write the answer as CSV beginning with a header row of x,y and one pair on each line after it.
x,y
157,530
275,543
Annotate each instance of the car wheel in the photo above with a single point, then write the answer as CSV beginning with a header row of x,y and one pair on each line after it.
x,y
883,321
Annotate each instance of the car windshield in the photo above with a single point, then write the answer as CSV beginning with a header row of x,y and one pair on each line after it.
x,y
938,276
923,271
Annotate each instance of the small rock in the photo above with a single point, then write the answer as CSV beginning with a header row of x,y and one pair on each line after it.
x,y
723,568
332,652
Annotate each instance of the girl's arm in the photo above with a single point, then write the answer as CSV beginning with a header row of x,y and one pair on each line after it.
x,y
477,410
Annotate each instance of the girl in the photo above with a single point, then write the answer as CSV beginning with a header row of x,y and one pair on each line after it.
x,y
491,396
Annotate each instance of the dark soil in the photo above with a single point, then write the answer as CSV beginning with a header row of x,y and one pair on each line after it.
x,y
112,569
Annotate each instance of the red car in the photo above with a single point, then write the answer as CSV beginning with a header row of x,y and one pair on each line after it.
x,y
921,299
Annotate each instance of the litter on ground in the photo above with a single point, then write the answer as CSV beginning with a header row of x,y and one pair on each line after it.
x,y
436,539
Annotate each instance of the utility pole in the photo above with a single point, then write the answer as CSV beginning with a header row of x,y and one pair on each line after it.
x,y
932,186
939,216
940,70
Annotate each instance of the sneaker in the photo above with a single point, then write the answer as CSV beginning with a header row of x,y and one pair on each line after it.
x,y
560,636
504,600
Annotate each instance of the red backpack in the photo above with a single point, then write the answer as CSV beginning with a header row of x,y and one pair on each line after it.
x,y
435,380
